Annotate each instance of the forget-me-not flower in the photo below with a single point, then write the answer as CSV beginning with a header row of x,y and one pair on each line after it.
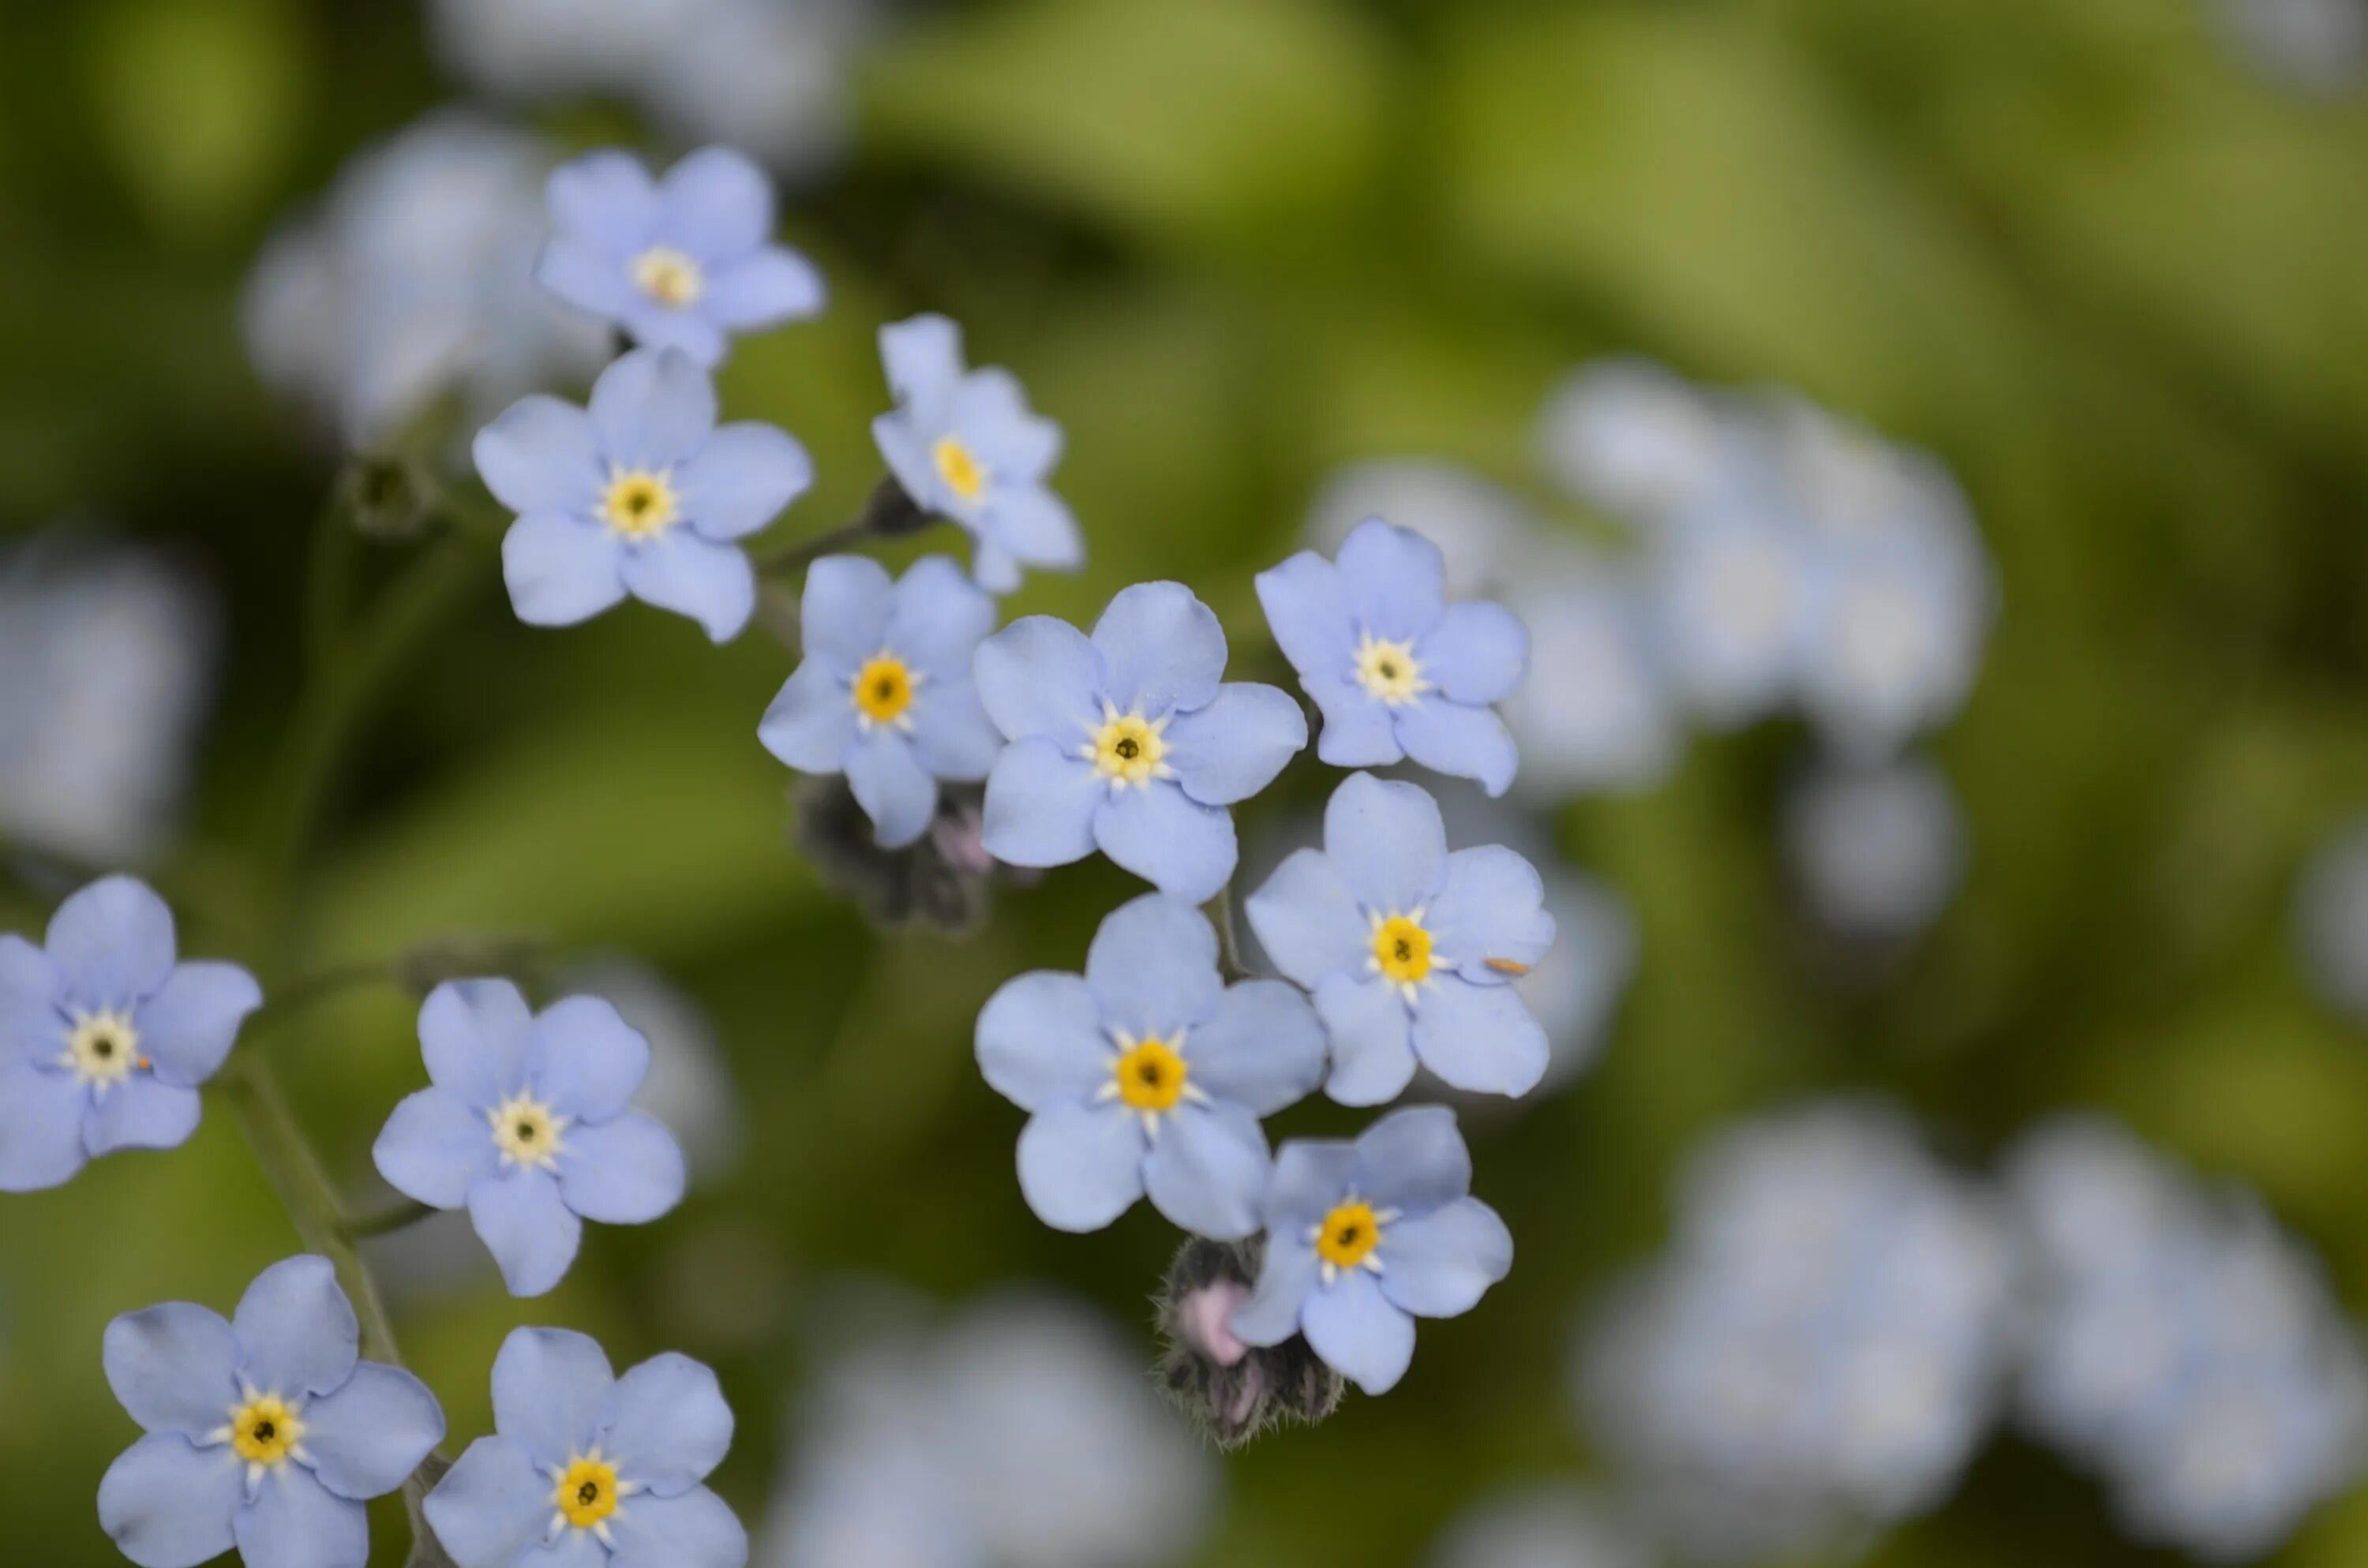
x,y
529,1126
642,492
680,263
104,1038
1398,670
587,1469
884,694
1408,950
1148,1074
1364,1237
964,445
1128,741
267,1433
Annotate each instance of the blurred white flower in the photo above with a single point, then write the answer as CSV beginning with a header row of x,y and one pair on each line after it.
x,y
1874,852
2331,920
1596,713
1540,1527
1630,437
1730,591
689,1086
1484,532
2316,45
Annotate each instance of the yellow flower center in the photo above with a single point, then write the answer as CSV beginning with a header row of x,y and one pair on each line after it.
x,y
964,475
1402,949
103,1049
265,1430
527,1133
1150,1075
1348,1235
883,689
667,275
1388,670
1128,748
640,503
586,1490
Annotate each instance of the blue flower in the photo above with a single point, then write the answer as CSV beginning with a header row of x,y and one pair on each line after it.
x,y
1364,1237
529,1126
589,1469
1410,951
1127,742
264,1433
963,444
884,695
104,1038
640,494
1148,1074
679,264
1398,671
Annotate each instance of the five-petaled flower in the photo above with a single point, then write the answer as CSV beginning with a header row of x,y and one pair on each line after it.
x,y
963,444
529,1126
884,694
267,1433
642,492
1127,742
104,1038
1364,1237
1409,951
1397,671
587,1469
679,262
1148,1074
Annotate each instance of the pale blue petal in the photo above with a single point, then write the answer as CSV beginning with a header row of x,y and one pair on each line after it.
x,y
1233,747
740,480
112,943
1464,742
139,1113
570,1549
1163,649
811,722
549,1387
1041,1041
1493,906
666,1426
923,360
40,1126
1041,800
587,276
1308,921
653,408
1307,610
434,1147
694,1531
561,569
531,1232
937,619
1479,1038
906,449
166,1504
1171,841
1358,728
1262,1047
31,991
1285,1280
626,1172
996,569
187,1027
654,326
174,1367
584,1061
605,199
1041,676
1207,1170
1373,1039
1359,1334
1439,1264
894,791
542,455
712,584
296,1522
773,286
495,1503
1387,841
365,1439
1033,525
1081,1166
297,1334
991,408
1394,579
715,205
843,614
1152,966
473,1035
1413,1160
952,737
1311,1177
1479,651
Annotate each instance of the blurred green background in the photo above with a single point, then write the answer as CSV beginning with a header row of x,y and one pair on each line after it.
x,y
2110,273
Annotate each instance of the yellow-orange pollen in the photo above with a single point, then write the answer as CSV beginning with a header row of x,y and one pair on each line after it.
x,y
265,1430
585,1493
964,475
640,503
1402,949
103,1049
1128,748
1388,670
670,277
1150,1075
1348,1235
883,690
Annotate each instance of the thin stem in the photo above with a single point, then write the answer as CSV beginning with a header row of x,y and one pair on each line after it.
x,y
1220,911
797,557
287,1000
394,1217
888,513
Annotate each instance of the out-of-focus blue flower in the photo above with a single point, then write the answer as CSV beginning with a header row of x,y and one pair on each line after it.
x,y
1129,741
529,1126
1398,670
2184,1347
1605,718
1818,1353
1875,852
1731,607
1485,535
585,1468
884,694
683,262
689,1088
2316,46
1364,1237
1540,1527
104,1038
1629,437
267,1433
1409,951
642,492
1148,1074
964,445
2330,919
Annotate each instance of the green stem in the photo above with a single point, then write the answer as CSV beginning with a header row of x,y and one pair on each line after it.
x,y
394,1217
292,998
888,513
805,553
1220,911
